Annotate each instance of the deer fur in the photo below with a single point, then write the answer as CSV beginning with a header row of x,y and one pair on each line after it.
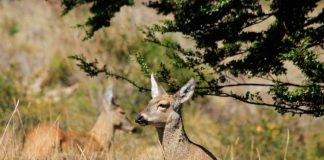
x,y
42,141
164,112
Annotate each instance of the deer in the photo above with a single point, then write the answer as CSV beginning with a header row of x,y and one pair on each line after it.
x,y
42,141
164,113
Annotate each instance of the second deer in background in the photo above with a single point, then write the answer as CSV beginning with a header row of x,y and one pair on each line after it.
x,y
42,141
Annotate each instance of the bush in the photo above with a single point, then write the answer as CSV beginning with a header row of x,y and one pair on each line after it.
x,y
60,71
10,89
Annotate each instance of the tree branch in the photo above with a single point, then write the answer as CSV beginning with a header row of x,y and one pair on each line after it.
x,y
264,85
285,107
92,69
258,20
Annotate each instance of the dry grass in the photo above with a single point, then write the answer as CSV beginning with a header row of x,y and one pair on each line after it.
x,y
265,138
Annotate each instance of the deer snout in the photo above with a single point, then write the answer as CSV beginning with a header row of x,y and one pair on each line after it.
x,y
141,120
134,130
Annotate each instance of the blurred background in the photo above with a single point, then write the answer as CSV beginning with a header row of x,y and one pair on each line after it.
x,y
35,69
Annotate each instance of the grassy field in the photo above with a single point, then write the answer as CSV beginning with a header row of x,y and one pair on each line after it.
x,y
35,71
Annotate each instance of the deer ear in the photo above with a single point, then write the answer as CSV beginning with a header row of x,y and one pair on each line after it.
x,y
156,90
186,91
108,98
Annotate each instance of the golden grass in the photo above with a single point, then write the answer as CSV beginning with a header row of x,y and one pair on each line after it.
x,y
226,139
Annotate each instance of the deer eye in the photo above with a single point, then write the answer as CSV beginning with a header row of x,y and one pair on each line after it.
x,y
164,106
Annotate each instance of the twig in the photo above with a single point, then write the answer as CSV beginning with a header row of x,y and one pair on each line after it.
x,y
82,152
9,121
287,143
259,155
256,84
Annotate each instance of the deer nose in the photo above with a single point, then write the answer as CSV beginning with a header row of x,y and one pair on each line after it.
x,y
134,130
140,120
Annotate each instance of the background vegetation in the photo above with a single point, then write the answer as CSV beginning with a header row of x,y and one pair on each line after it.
x,y
36,42
226,52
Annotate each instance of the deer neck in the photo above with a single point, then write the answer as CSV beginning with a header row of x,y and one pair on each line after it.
x,y
103,130
172,137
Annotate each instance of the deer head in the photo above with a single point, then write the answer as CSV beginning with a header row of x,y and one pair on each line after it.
x,y
163,107
116,113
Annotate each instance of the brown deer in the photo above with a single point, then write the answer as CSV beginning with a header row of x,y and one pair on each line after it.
x,y
164,112
42,141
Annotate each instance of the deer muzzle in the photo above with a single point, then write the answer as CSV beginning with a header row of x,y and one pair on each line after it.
x,y
141,120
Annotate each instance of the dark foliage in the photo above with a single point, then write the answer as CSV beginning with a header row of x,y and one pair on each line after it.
x,y
220,31
102,10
